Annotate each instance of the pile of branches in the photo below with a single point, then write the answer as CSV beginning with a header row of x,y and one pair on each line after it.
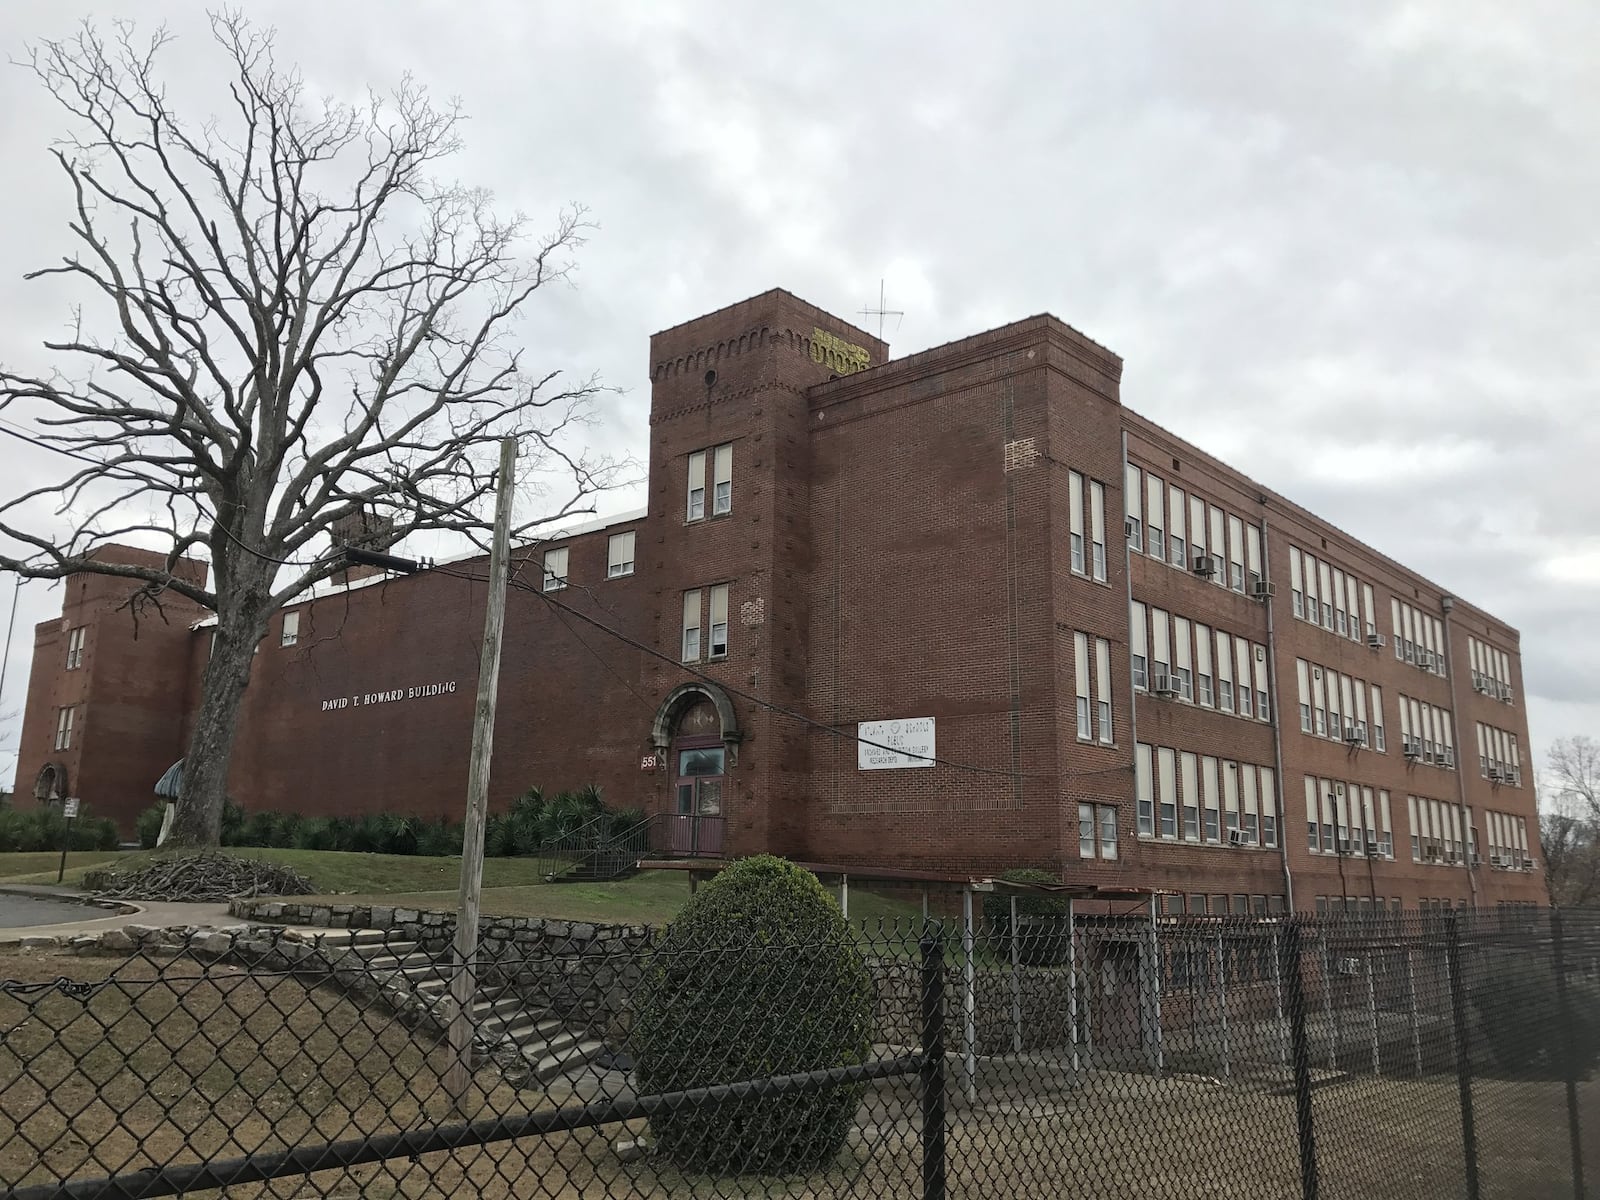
x,y
198,877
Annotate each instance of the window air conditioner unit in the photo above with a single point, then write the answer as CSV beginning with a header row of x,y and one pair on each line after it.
x,y
1349,966
1430,852
1496,775
1238,837
1514,776
1529,864
1480,682
1507,693
1164,685
1497,860
1448,758
1354,735
1411,652
1377,641
1374,848
1477,860
1412,749
1344,845
1205,566
1264,589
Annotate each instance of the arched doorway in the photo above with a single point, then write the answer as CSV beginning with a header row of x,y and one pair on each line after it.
x,y
697,735
51,783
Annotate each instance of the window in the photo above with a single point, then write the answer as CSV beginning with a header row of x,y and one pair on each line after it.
x,y
1182,665
1377,719
1263,708
1252,812
1269,807
1219,544
75,647
1189,768
1102,670
1175,543
1075,504
64,729
619,555
1168,760
1160,644
1097,527
719,621
1137,636
1080,663
1224,672
1202,652
1302,679
1235,553
1313,824
1297,595
291,628
555,569
1097,831
1155,516
1133,502
1213,817
722,479
697,486
1246,694
1230,797
691,626
1144,790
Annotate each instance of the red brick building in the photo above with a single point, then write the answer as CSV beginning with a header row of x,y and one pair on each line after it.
x,y
1216,696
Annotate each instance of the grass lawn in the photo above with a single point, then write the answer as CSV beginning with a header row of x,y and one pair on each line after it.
x,y
649,898
511,886
39,866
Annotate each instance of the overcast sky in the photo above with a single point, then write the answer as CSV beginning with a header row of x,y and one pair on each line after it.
x,y
1348,248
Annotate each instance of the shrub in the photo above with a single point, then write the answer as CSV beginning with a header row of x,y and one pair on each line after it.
x,y
1519,1019
759,976
149,824
232,823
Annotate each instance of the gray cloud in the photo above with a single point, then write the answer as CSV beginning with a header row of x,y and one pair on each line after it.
x,y
1348,248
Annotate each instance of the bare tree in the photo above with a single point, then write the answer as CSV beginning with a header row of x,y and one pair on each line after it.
x,y
1572,776
298,332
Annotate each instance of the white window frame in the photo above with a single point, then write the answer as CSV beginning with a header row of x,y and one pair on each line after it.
x,y
75,640
1225,672
722,479
1088,830
1080,664
1177,542
1219,544
1182,664
1144,790
1155,519
1245,695
620,548
1270,832
1297,591
1080,560
1235,553
1103,712
1263,693
556,568
1167,763
695,505
1205,680
1189,782
1097,529
64,719
290,633
717,647
1138,646
1133,505
691,625
1211,814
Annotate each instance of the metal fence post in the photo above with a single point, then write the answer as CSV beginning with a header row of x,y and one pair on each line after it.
x,y
1559,961
1458,1020
932,1072
1289,970
1222,1006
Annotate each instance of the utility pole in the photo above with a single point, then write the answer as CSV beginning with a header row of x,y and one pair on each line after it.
x,y
464,982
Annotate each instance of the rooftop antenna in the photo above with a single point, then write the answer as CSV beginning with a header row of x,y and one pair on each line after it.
x,y
881,312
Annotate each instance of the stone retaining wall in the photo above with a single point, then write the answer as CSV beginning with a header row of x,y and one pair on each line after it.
x,y
579,972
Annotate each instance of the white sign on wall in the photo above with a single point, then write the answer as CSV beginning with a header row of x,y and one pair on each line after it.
x,y
891,745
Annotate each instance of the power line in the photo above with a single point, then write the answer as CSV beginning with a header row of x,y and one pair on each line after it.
x,y
778,708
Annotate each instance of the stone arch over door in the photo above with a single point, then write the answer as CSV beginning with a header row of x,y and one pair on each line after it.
x,y
51,782
684,697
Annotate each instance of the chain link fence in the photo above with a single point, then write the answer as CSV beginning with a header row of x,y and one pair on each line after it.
x,y
1138,1055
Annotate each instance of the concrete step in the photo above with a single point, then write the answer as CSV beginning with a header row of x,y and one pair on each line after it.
x,y
498,1007
524,1029
394,949
550,1066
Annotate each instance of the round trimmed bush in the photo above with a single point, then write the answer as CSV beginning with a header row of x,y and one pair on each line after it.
x,y
758,977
